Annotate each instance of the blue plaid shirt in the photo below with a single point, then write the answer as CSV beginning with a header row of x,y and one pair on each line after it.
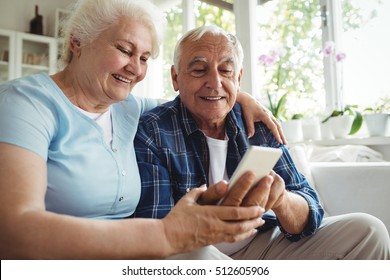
x,y
173,158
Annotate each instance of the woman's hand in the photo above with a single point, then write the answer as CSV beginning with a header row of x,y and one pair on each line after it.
x,y
254,111
190,226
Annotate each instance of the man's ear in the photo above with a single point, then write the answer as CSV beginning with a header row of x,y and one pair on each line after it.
x,y
175,84
239,77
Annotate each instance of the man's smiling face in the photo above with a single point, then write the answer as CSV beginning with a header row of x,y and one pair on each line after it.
x,y
208,78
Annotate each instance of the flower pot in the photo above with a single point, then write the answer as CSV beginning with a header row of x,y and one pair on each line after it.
x,y
341,125
326,130
311,129
377,124
292,130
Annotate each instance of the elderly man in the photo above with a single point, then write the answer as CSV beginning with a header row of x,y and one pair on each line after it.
x,y
200,137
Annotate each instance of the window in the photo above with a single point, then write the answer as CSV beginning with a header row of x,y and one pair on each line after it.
x,y
292,36
366,43
207,14
174,32
291,40
290,59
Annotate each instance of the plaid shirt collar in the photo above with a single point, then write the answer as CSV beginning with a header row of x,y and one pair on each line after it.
x,y
190,127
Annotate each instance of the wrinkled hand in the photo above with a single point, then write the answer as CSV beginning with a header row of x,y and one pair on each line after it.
x,y
267,193
236,194
190,226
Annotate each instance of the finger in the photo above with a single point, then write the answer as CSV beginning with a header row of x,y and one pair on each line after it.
x,y
231,213
236,231
250,123
275,128
242,236
214,193
276,193
282,139
259,194
231,231
272,123
238,237
240,189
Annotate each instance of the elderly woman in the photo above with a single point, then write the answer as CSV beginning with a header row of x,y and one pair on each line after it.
x,y
68,171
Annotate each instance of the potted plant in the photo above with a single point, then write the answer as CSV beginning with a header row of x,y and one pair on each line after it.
x,y
345,122
278,109
292,127
377,117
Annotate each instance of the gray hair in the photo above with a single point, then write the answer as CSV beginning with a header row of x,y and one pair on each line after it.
x,y
89,18
198,33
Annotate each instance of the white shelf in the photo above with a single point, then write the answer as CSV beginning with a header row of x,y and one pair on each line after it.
x,y
380,144
369,141
27,54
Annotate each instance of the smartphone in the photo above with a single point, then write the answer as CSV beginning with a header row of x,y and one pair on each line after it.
x,y
258,159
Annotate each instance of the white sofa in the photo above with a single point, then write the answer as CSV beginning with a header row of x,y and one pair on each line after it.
x,y
346,187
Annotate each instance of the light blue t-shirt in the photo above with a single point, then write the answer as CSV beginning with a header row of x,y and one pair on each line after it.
x,y
86,176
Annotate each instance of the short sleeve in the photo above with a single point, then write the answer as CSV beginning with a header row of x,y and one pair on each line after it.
x,y
25,118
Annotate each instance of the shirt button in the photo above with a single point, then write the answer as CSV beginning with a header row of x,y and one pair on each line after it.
x,y
123,172
188,190
121,198
114,149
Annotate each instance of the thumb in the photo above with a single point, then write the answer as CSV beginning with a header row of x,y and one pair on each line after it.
x,y
196,193
214,193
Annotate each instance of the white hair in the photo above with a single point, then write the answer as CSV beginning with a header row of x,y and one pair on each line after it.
x,y
89,18
197,33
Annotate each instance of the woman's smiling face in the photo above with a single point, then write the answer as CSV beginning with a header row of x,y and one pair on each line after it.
x,y
116,61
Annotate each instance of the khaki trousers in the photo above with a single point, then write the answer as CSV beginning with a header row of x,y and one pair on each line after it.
x,y
352,236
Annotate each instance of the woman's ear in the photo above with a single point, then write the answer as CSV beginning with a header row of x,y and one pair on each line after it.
x,y
75,46
175,84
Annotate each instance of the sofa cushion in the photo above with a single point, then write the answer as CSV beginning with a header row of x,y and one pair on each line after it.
x,y
348,187
298,153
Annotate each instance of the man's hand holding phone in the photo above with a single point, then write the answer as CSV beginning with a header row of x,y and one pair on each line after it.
x,y
248,191
251,182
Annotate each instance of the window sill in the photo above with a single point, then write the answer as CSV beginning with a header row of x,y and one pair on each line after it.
x,y
367,141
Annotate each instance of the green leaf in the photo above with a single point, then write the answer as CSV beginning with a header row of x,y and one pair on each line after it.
x,y
351,109
335,113
280,107
357,123
271,105
297,116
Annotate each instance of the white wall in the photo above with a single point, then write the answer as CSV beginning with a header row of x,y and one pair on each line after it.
x,y
16,14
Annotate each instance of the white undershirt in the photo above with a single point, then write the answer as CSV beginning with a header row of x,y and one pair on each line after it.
x,y
217,172
218,152
104,120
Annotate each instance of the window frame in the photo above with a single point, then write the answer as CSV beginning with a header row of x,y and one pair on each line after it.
x,y
331,15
